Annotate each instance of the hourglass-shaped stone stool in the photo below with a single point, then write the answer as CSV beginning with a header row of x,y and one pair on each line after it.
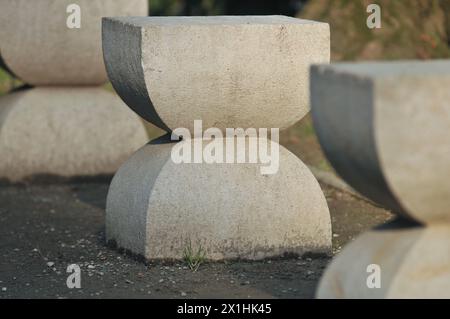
x,y
385,127
66,124
227,72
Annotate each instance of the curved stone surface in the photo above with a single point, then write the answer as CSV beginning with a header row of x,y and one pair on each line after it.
x,y
66,132
385,127
414,263
40,49
155,208
232,71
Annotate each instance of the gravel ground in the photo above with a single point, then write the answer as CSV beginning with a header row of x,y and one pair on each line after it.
x,y
44,228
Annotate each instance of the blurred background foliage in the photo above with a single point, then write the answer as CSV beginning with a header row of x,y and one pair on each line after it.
x,y
418,29
229,7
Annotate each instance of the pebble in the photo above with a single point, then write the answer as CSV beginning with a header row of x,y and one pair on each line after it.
x,y
4,289
50,264
183,294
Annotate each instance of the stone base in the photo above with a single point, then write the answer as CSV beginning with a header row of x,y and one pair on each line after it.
x,y
67,132
414,263
156,208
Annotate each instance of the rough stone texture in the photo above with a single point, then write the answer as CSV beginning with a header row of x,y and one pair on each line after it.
x,y
234,71
414,263
385,127
65,132
38,47
155,208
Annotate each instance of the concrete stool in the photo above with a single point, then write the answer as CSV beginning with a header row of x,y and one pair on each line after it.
x,y
385,127
228,72
66,124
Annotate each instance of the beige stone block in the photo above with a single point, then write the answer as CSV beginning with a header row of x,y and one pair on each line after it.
x,y
40,49
66,132
156,208
385,127
414,262
229,71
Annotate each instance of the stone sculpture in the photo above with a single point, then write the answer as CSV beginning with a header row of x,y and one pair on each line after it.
x,y
229,72
65,124
385,127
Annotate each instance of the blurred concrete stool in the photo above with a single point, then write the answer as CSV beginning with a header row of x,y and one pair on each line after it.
x,y
66,124
227,72
385,127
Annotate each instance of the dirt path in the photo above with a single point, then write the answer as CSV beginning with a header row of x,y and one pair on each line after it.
x,y
44,228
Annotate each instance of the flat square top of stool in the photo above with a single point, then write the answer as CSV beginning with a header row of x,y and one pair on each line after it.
x,y
387,69
211,20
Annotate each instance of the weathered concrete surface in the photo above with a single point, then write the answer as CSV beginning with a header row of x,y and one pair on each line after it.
x,y
386,129
414,262
40,49
155,208
65,132
246,71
